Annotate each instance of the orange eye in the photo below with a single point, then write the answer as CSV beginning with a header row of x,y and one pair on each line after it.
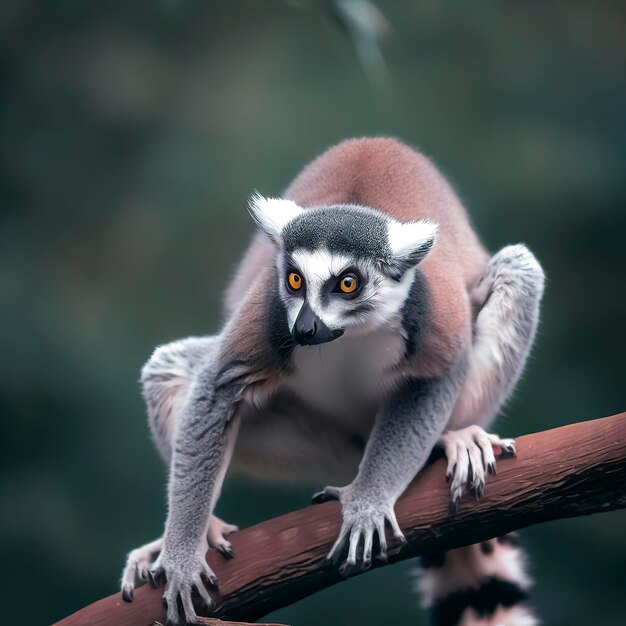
x,y
295,281
349,283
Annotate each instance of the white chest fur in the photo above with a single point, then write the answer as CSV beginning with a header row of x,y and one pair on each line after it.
x,y
341,376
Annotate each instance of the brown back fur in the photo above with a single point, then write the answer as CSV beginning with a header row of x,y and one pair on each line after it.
x,y
387,175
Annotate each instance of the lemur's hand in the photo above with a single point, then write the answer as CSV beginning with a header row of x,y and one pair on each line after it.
x,y
184,576
363,516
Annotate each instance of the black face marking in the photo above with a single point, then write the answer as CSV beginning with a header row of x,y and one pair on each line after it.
x,y
280,338
344,229
359,309
415,315
492,593
486,547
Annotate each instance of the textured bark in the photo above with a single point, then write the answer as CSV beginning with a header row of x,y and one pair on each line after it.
x,y
566,472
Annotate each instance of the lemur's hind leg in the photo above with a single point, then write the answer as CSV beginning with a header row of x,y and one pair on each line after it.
x,y
166,380
506,299
217,534
137,568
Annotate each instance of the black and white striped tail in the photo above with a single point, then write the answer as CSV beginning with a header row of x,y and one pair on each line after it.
x,y
484,584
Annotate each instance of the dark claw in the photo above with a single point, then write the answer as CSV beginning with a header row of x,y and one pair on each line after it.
x,y
321,497
479,491
450,474
210,581
454,505
509,449
226,552
153,580
491,469
127,595
347,570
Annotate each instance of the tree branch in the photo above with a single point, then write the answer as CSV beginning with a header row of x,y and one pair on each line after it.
x,y
566,472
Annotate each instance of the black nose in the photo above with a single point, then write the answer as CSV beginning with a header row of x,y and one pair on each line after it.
x,y
309,330
308,333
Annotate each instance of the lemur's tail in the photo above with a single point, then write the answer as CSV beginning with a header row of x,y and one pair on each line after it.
x,y
484,584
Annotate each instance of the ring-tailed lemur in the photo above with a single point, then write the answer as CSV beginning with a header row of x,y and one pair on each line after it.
x,y
366,324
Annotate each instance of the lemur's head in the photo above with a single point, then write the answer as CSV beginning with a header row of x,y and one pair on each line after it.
x,y
340,268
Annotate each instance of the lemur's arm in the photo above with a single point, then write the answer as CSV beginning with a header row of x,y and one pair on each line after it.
x,y
399,445
203,445
197,468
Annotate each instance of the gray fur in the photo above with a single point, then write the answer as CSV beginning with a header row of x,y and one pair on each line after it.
x,y
345,229
507,300
165,381
197,459
512,275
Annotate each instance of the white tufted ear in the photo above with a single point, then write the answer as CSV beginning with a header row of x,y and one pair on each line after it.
x,y
272,214
410,242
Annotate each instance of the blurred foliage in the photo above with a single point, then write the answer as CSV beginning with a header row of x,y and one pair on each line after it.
x,y
132,133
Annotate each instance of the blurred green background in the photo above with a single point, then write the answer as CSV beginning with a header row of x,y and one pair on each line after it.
x,y
132,134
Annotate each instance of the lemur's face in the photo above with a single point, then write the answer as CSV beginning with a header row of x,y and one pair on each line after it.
x,y
341,268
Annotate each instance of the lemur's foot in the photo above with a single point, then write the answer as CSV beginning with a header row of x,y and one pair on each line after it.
x,y
185,580
470,454
363,518
216,536
137,569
